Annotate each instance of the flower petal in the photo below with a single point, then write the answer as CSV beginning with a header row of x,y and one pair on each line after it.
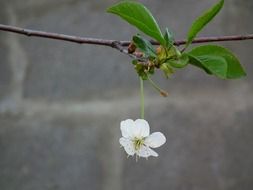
x,y
146,152
126,128
128,145
155,140
141,128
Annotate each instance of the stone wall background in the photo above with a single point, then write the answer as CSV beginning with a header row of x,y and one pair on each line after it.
x,y
61,103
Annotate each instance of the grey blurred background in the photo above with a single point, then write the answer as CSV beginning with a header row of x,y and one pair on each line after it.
x,y
61,103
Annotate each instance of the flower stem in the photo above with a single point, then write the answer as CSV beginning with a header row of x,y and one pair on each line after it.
x,y
142,98
162,92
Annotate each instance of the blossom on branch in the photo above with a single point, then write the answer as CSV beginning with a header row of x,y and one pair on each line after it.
x,y
138,140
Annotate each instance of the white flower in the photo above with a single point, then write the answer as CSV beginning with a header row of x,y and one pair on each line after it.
x,y
137,139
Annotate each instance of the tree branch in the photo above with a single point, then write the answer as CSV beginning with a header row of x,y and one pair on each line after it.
x,y
111,43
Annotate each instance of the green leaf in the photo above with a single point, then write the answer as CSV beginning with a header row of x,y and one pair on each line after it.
x,y
194,61
214,64
210,57
139,16
203,20
180,62
169,41
144,45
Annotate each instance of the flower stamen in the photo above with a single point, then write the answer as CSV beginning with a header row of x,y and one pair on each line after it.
x,y
138,143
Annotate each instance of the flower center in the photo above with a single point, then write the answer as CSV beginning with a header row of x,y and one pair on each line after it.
x,y
138,143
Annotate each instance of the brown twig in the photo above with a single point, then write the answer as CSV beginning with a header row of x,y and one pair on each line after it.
x,y
112,43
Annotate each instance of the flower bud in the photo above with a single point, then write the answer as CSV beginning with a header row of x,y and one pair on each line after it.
x,y
131,48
